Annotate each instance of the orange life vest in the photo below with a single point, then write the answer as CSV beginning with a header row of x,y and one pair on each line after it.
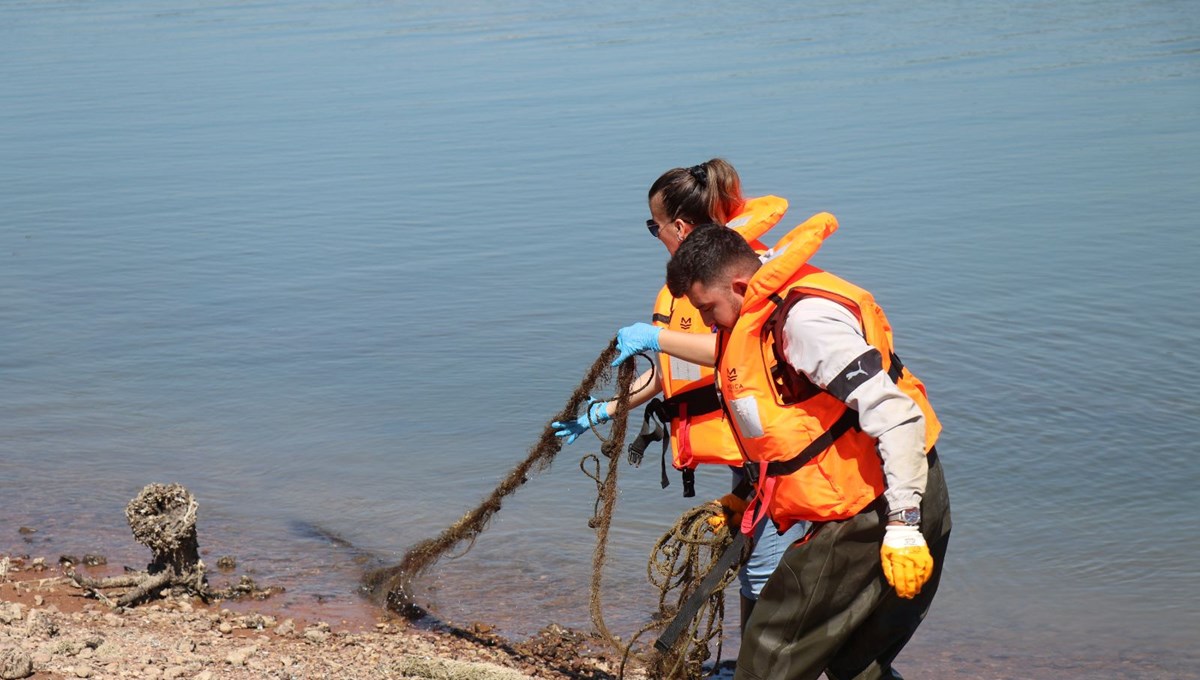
x,y
814,462
698,431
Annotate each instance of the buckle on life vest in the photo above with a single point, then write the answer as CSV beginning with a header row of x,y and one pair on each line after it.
x,y
652,431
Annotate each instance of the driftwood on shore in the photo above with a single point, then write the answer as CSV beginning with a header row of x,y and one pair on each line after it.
x,y
163,518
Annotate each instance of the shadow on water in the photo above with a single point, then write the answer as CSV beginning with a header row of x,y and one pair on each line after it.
x,y
306,529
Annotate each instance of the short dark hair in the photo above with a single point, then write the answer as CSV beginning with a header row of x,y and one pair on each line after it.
x,y
706,256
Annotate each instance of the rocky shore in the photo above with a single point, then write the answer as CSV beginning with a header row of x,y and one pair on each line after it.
x,y
49,629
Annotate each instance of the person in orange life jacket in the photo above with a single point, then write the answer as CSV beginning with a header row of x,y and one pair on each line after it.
x,y
843,435
680,199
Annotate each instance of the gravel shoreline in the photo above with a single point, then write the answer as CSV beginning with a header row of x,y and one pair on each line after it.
x,y
49,629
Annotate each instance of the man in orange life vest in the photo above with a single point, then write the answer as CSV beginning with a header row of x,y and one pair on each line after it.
x,y
841,434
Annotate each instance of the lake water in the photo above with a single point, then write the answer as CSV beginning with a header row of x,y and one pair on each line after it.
x,y
333,266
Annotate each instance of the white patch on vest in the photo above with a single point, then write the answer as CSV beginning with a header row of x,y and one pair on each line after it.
x,y
684,370
741,221
745,410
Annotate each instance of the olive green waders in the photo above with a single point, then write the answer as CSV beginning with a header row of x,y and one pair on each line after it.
x,y
827,606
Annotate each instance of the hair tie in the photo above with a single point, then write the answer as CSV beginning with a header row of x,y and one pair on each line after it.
x,y
699,174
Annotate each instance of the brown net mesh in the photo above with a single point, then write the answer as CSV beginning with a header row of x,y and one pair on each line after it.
x,y
396,581
681,557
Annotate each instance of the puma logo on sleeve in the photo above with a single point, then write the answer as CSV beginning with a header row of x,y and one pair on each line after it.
x,y
856,373
860,371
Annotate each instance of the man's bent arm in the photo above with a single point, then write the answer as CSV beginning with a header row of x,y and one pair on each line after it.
x,y
698,348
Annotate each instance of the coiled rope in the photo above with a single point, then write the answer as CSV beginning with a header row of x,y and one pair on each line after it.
x,y
680,560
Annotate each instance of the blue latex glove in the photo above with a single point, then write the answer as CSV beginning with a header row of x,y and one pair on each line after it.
x,y
596,412
636,338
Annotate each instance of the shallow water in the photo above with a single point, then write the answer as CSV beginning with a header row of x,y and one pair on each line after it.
x,y
335,265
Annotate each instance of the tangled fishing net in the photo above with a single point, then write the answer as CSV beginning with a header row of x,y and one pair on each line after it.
x,y
679,560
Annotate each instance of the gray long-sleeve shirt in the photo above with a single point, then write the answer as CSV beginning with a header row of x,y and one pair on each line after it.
x,y
822,340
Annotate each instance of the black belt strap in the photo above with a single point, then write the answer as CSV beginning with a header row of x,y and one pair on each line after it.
x,y
847,421
844,423
897,368
745,487
696,600
699,401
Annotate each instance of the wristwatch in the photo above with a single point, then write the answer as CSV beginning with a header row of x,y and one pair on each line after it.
x,y
910,516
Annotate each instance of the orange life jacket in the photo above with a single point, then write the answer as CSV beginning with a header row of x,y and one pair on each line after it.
x,y
698,432
814,462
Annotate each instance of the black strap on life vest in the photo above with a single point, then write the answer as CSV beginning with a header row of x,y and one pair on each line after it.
x,y
687,475
897,368
845,422
699,401
745,487
654,428
655,419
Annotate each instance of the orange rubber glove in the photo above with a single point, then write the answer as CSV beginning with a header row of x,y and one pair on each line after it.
x,y
732,508
907,564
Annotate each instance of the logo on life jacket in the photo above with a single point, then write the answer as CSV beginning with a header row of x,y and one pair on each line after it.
x,y
732,374
685,323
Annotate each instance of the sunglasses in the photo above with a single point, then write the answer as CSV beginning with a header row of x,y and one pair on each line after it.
x,y
653,227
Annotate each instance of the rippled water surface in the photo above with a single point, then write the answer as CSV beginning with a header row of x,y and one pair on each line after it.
x,y
334,265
